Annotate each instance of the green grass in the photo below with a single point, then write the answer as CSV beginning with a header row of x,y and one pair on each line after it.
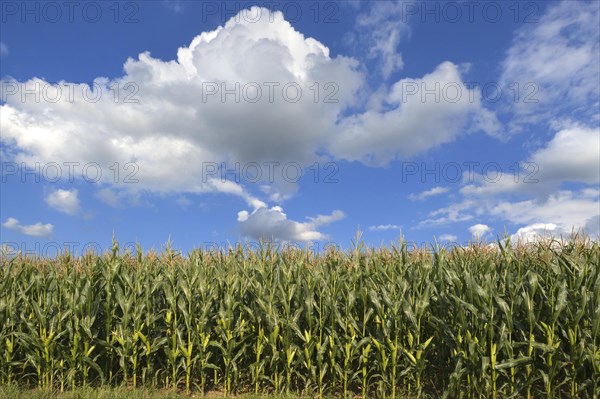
x,y
480,322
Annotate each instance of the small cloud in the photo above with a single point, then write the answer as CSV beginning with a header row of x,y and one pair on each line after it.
x,y
457,212
3,49
428,193
448,237
273,224
535,232
321,220
64,201
479,230
34,230
385,227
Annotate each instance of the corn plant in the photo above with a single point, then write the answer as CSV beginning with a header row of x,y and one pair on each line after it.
x,y
513,320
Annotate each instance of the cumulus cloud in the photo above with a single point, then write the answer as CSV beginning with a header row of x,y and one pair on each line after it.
x,y
3,49
415,122
537,231
35,230
174,117
179,118
385,227
479,230
66,201
178,125
428,193
273,224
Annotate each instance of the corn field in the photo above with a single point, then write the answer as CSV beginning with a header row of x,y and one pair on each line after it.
x,y
482,322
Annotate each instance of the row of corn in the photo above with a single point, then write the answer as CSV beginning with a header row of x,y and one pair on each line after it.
x,y
479,322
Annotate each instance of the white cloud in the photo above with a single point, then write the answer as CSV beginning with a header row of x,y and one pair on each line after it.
x,y
175,129
66,201
453,213
537,231
490,185
34,230
3,49
385,227
382,29
273,224
415,122
428,193
569,210
566,209
572,155
571,30
448,237
321,220
479,230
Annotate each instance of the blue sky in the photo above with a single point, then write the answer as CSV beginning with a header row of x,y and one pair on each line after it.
x,y
302,122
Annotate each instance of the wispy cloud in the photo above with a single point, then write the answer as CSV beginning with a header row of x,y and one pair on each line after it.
x,y
428,193
66,201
